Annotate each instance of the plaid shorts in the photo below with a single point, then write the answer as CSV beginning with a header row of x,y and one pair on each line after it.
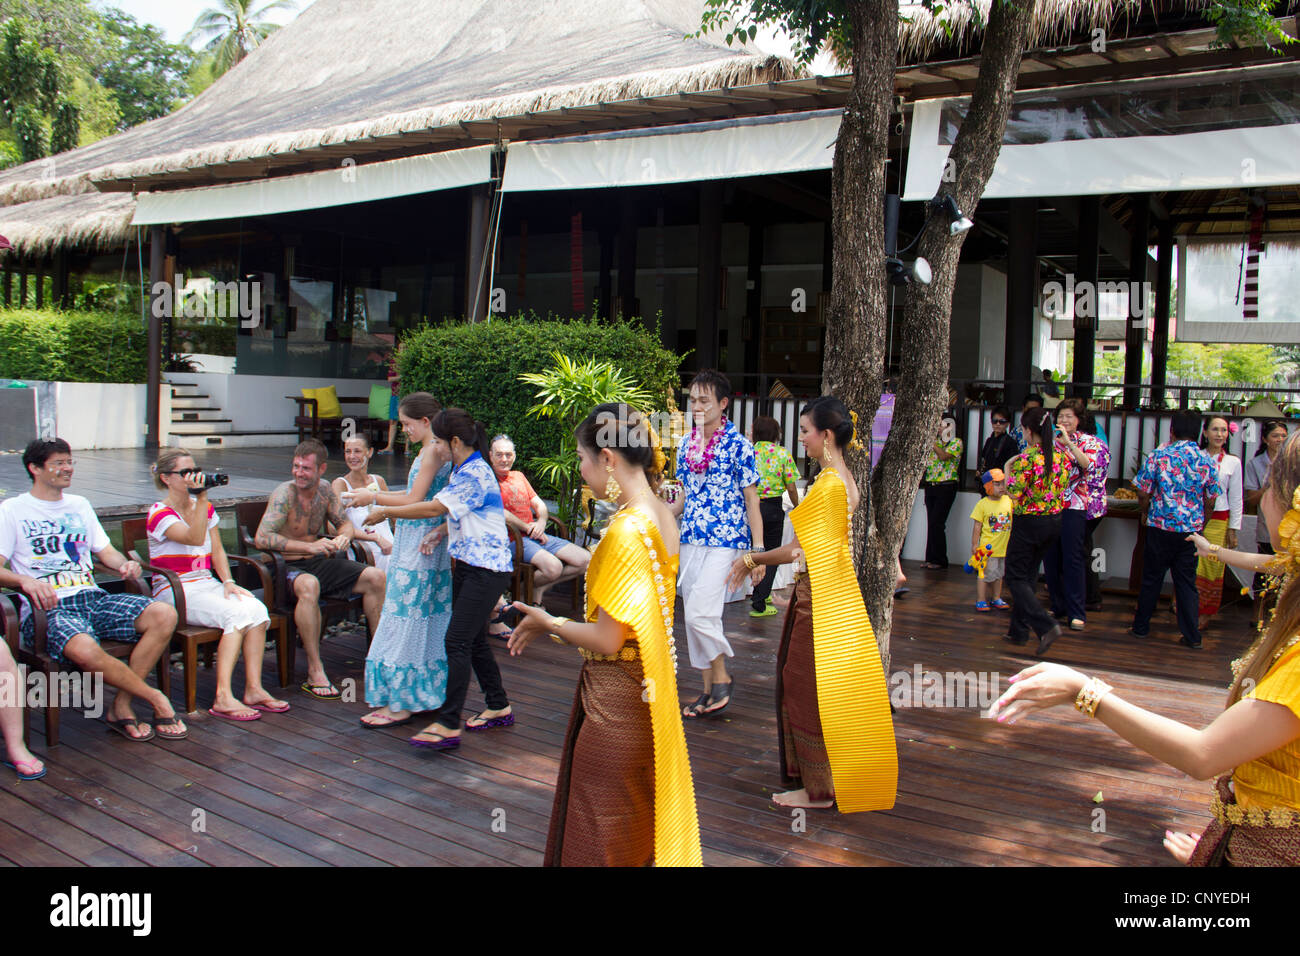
x,y
93,611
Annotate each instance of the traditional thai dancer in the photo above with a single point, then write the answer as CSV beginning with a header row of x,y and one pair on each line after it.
x,y
406,669
1224,520
837,738
624,796
1254,744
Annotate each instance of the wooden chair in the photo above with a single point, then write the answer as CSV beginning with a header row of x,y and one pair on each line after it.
x,y
38,659
523,579
190,637
308,420
248,515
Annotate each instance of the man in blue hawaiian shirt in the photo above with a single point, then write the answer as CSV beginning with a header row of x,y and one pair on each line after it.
x,y
1174,484
720,518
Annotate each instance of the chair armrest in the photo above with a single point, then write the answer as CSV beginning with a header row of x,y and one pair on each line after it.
x,y
305,403
40,624
10,613
178,589
362,554
560,526
517,540
268,585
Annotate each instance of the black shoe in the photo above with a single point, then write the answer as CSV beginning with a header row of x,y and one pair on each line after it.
x,y
1047,640
1011,640
1139,634
1186,643
1092,606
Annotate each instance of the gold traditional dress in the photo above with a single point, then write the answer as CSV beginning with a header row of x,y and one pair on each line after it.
x,y
624,796
837,736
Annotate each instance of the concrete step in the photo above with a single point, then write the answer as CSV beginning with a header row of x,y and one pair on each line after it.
x,y
217,427
192,401
197,415
242,440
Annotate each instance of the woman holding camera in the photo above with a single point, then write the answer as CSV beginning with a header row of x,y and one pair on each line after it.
x,y
184,539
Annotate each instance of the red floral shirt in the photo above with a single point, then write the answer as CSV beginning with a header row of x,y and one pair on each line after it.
x,y
1032,490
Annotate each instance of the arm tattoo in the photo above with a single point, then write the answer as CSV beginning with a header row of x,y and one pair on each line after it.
x,y
268,537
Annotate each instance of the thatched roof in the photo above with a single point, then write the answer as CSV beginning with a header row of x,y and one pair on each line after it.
x,y
1054,22
95,221
348,70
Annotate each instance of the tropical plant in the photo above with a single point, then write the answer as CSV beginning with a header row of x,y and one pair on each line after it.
x,y
232,30
567,391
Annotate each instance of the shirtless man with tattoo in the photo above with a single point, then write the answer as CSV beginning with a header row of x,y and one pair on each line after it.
x,y
295,525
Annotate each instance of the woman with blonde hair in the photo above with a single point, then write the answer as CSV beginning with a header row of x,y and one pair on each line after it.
x,y
184,539
624,796
1254,745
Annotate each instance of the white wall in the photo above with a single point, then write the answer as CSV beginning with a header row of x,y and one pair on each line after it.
x,y
258,402
99,415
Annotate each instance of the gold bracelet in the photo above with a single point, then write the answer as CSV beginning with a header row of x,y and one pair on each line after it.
x,y
749,560
1214,550
558,622
1090,695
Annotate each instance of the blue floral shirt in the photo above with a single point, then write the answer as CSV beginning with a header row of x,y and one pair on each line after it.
x,y
714,514
476,520
1178,477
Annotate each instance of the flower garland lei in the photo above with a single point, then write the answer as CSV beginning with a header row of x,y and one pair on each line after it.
x,y
695,460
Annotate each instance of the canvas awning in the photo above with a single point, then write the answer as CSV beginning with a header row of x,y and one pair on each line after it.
x,y
754,146
1166,135
336,187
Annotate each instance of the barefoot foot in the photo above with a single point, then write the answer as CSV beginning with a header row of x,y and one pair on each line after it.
x,y
800,798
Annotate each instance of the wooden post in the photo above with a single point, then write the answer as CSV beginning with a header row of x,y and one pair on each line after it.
x,y
157,274
1022,292
1135,334
627,254
23,266
40,285
6,287
710,265
1164,292
476,291
61,293
1085,270
754,302
605,233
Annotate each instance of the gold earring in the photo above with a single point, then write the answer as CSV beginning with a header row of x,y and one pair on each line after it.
x,y
612,487
826,457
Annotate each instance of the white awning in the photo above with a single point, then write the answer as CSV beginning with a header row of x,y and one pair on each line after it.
x,y
723,150
336,187
1179,133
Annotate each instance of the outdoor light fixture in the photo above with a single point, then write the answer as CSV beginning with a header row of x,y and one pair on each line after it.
x,y
958,223
901,273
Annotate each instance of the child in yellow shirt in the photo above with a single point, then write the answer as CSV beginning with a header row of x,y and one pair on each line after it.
x,y
992,517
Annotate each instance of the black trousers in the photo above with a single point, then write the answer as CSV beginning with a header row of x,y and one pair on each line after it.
x,y
938,502
1092,578
1032,537
1066,565
773,527
1168,551
474,593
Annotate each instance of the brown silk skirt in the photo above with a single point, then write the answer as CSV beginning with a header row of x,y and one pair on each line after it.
x,y
1227,844
804,762
604,811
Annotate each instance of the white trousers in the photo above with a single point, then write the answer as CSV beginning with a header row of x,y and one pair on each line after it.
x,y
206,605
702,583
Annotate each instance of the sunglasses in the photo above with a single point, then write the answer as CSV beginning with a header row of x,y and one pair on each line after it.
x,y
999,421
184,472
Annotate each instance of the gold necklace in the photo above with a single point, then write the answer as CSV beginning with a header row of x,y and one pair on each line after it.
x,y
634,499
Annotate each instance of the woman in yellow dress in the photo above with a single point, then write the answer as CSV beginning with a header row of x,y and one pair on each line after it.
x,y
837,738
1253,747
624,796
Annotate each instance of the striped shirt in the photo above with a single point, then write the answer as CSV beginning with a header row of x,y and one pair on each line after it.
x,y
191,562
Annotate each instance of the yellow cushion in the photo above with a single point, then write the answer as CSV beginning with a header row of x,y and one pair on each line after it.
x,y
327,401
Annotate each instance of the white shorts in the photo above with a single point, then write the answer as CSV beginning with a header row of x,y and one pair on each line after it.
x,y
206,605
702,584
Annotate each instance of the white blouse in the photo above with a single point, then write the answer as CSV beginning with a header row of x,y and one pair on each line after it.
x,y
1230,481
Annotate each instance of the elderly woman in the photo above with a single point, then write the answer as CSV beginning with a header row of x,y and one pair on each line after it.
x,y
1067,564
1254,745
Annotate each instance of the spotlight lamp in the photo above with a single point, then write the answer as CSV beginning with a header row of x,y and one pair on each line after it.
x,y
957,222
903,273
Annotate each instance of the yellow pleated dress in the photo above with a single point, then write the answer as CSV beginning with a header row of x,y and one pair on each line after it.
x,y
852,699
624,796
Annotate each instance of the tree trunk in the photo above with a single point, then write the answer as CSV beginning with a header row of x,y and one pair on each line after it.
x,y
859,319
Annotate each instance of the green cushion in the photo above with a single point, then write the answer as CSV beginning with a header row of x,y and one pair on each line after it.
x,y
379,401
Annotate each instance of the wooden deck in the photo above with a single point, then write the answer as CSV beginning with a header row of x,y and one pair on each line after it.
x,y
312,787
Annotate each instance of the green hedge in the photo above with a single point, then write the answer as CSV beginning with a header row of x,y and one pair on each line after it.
x,y
476,366
204,339
72,346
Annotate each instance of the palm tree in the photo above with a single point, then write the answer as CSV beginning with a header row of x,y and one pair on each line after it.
x,y
232,30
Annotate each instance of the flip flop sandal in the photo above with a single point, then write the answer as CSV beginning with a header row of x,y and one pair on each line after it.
x,y
311,689
505,720
695,709
237,718
442,743
266,706
501,635
715,696
171,721
386,723
119,726
25,775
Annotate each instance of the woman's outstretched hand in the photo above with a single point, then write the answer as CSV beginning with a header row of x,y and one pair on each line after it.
x,y
1037,688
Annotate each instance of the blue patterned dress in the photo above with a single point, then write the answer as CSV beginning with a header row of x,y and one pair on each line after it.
x,y
407,664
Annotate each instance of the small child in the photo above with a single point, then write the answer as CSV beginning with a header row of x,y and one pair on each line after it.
x,y
992,516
